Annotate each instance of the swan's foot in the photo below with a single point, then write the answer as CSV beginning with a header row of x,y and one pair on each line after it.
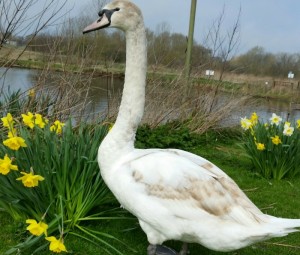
x,y
184,249
160,250
164,250
151,250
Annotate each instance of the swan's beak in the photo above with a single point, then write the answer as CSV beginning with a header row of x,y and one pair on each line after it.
x,y
102,22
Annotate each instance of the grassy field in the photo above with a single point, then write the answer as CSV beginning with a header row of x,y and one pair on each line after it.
x,y
279,198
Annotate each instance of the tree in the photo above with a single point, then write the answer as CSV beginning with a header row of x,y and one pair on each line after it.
x,y
223,45
21,18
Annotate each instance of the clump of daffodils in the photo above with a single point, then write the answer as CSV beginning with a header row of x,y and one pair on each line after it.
x,y
13,143
40,228
49,176
273,146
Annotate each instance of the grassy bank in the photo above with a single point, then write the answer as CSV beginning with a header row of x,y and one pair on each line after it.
x,y
279,198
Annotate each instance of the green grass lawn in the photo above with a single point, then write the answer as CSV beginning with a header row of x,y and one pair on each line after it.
x,y
278,198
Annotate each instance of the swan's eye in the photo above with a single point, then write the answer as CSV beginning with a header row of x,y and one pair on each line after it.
x,y
117,9
100,14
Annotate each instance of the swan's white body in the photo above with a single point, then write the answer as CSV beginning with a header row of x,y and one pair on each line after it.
x,y
175,195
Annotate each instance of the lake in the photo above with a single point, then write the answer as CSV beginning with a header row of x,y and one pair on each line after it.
x,y
101,88
95,96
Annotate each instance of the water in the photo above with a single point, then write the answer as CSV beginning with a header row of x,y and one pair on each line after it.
x,y
264,109
14,79
102,88
96,99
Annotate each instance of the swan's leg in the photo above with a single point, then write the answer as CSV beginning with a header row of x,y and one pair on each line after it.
x,y
184,249
151,250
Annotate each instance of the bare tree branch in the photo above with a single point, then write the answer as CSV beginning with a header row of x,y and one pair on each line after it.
x,y
21,18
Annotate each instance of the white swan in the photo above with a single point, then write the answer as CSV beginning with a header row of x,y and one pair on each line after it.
x,y
174,194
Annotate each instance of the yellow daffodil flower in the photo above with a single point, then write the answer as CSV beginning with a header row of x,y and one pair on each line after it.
x,y
37,228
31,92
8,121
30,180
14,142
40,121
275,119
6,165
56,245
246,123
276,140
28,119
260,146
298,123
57,127
254,118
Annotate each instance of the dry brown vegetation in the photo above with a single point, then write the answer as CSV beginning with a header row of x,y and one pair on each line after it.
x,y
201,110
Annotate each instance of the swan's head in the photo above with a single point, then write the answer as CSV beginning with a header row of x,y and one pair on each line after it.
x,y
120,14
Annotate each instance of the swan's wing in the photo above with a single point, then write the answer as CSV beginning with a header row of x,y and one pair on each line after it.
x,y
180,180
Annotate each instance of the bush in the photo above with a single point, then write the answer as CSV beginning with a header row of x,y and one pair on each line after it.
x,y
50,179
170,135
273,147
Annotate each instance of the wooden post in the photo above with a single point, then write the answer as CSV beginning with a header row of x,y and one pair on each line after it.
x,y
187,68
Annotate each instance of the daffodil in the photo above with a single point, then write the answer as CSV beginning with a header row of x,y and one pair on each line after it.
x,y
57,127
276,140
260,146
30,180
6,165
8,121
28,119
254,118
288,130
275,119
14,142
298,123
246,123
37,228
56,245
40,121
31,92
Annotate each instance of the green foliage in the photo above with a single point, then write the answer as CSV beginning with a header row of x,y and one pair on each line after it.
x,y
19,102
177,135
72,191
170,135
273,147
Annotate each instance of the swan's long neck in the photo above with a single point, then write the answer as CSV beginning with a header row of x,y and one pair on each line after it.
x,y
120,140
133,99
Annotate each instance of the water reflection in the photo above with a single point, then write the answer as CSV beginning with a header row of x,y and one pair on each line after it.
x,y
102,89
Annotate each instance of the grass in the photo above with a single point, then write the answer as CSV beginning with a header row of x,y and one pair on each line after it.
x,y
278,198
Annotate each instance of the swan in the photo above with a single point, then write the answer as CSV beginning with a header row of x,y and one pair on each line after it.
x,y
175,195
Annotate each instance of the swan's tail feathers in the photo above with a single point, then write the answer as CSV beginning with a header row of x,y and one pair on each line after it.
x,y
283,227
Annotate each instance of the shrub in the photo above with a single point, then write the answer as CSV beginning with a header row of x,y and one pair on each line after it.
x,y
169,135
273,147
50,179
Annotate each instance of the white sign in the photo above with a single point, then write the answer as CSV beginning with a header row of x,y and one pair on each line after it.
x,y
210,72
291,75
